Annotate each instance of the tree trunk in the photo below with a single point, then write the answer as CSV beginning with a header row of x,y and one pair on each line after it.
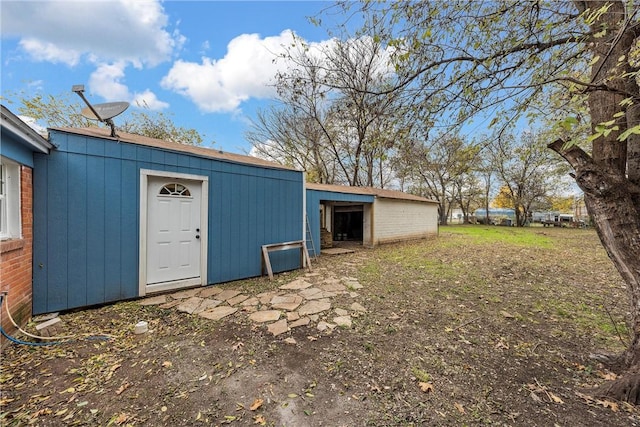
x,y
611,199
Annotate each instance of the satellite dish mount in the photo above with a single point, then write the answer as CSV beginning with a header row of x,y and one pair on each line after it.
x,y
101,112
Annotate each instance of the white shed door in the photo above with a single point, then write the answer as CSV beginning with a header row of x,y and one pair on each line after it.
x,y
173,230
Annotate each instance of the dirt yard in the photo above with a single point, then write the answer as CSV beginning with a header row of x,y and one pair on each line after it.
x,y
483,325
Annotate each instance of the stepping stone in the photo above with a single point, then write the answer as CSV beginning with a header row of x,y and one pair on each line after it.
x,y
291,316
341,312
300,322
279,327
286,302
207,304
218,312
209,291
296,285
170,304
265,297
311,293
186,294
333,287
314,307
190,305
323,326
353,286
344,321
160,299
227,294
250,302
237,300
357,307
265,316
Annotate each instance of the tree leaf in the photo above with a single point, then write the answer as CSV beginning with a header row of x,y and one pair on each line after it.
x,y
425,387
256,404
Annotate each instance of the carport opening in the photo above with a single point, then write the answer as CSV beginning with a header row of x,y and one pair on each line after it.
x,y
348,223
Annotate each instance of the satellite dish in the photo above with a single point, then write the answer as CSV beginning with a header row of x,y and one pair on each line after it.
x,y
106,111
101,112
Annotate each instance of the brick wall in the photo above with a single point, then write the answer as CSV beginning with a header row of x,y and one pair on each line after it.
x,y
16,261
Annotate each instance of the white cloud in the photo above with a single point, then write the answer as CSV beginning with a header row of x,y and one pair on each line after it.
x,y
48,52
63,31
106,82
149,100
246,71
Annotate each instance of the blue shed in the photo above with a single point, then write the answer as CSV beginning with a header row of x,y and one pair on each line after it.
x,y
118,218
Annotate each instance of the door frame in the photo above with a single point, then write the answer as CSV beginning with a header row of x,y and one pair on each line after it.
x,y
144,215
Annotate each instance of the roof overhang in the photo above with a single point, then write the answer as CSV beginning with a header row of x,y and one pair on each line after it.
x,y
13,125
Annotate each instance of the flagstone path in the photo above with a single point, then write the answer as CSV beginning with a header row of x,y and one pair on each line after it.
x,y
306,301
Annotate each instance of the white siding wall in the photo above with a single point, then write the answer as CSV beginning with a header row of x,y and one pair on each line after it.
x,y
396,220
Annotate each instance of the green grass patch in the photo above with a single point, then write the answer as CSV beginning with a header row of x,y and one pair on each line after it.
x,y
532,237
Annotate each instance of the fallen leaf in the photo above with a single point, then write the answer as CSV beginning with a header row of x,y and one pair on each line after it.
x,y
535,397
122,418
292,395
425,387
167,364
607,375
69,390
199,415
122,388
61,412
259,419
114,367
608,404
555,398
507,315
459,407
256,404
310,338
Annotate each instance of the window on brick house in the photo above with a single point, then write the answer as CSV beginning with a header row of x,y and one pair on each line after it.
x,y
9,199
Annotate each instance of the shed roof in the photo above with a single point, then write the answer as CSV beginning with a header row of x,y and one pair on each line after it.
x,y
378,192
212,153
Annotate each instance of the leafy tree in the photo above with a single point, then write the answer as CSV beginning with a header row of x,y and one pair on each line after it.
x,y
503,199
437,169
562,204
160,126
529,171
506,58
63,111
330,121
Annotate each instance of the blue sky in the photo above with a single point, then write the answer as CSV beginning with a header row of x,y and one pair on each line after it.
x,y
207,64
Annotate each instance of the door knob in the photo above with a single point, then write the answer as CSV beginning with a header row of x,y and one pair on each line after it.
x,y
197,236
197,230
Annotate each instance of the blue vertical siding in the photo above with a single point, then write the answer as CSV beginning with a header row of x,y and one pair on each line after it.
x,y
314,197
87,214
